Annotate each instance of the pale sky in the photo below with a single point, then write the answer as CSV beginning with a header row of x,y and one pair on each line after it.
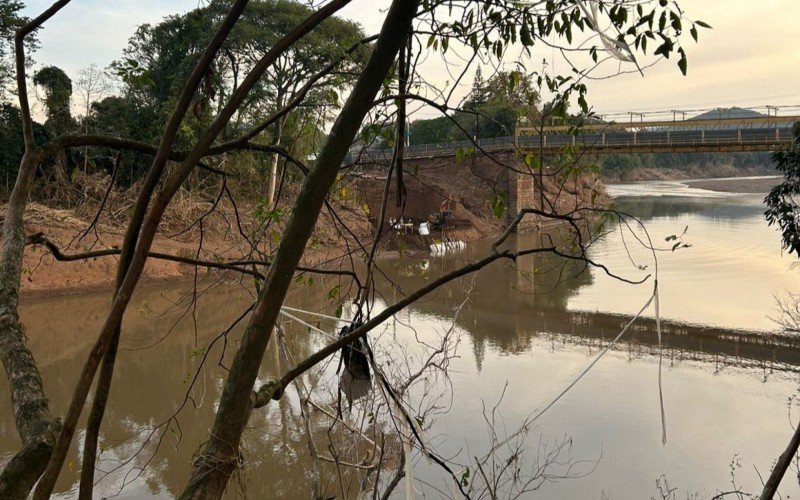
x,y
749,58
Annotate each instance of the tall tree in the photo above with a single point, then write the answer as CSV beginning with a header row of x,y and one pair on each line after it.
x,y
492,109
57,87
158,57
782,203
195,130
263,23
92,86
477,96
783,211
10,21
497,104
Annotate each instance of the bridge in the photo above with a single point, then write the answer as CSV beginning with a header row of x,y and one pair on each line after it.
x,y
664,136
762,133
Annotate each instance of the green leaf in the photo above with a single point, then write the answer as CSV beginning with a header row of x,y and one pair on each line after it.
x,y
682,61
525,35
532,161
465,478
676,21
665,48
499,203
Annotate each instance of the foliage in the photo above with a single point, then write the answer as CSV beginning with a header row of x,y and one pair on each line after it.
x,y
10,21
510,88
57,88
782,208
621,166
433,131
492,109
496,105
157,61
125,118
159,58
11,144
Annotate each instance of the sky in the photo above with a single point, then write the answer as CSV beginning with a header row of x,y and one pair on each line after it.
x,y
748,59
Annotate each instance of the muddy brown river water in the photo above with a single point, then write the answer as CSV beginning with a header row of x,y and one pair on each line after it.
x,y
727,382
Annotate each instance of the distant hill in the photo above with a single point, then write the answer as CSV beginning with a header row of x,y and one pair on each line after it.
x,y
734,112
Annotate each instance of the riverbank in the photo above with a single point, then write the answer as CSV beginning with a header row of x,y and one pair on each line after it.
x,y
475,197
476,194
71,234
714,171
753,184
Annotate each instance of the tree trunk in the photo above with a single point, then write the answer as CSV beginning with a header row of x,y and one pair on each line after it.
x,y
36,427
771,487
273,168
132,261
86,148
221,456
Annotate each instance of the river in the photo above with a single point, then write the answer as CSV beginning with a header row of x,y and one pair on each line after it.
x,y
726,382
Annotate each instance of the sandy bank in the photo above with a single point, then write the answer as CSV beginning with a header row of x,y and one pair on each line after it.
x,y
736,184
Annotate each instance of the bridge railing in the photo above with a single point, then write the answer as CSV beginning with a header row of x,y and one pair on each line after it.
x,y
721,123
742,137
494,144
769,134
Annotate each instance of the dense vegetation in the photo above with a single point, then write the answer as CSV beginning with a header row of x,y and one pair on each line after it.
x,y
134,96
622,166
492,109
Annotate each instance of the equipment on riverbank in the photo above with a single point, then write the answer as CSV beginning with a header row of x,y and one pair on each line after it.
x,y
444,217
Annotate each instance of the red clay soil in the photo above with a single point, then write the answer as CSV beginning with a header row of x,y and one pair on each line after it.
x,y
43,275
470,186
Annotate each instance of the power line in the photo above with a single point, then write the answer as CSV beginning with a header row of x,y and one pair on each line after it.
x,y
769,109
708,104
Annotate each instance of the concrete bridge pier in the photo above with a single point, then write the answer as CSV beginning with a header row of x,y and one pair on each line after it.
x,y
524,274
521,194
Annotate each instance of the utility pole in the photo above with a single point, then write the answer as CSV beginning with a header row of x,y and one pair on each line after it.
x,y
633,113
676,112
720,111
770,109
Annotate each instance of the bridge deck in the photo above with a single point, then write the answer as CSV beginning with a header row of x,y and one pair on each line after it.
x,y
688,136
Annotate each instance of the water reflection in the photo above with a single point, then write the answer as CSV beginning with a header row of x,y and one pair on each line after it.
x,y
159,355
731,207
725,375
728,278
509,319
